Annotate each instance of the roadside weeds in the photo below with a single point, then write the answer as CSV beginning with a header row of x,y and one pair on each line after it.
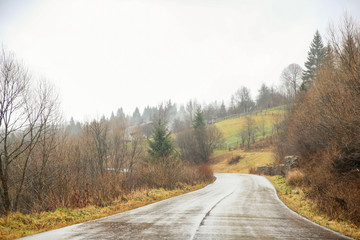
x,y
294,198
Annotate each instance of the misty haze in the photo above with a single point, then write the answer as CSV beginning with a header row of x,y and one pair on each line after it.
x,y
169,119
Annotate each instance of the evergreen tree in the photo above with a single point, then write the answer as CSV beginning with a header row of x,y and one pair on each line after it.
x,y
198,119
147,114
161,145
222,112
136,117
315,58
202,152
120,113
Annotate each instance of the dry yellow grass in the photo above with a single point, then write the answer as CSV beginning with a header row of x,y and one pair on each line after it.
x,y
295,199
250,159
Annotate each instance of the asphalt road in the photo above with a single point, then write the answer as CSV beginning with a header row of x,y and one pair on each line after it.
x,y
235,206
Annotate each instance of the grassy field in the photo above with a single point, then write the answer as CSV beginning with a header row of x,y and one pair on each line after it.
x,y
248,159
232,127
17,225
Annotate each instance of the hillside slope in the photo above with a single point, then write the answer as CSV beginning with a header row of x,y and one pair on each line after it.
x,y
260,153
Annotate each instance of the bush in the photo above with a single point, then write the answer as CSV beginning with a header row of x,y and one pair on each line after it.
x,y
169,176
235,160
204,172
253,170
295,178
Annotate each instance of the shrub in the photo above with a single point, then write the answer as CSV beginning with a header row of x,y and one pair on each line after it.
x,y
295,178
253,170
205,172
235,160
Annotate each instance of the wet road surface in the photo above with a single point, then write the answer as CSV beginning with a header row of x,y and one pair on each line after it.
x,y
235,206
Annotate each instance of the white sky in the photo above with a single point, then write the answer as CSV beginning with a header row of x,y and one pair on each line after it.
x,y
106,54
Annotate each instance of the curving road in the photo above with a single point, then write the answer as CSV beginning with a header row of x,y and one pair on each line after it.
x,y
235,206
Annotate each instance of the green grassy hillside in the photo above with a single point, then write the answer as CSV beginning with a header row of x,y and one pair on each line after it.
x,y
260,153
231,127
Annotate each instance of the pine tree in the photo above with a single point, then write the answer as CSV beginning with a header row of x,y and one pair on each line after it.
x,y
202,152
316,56
222,112
161,145
136,117
198,119
120,113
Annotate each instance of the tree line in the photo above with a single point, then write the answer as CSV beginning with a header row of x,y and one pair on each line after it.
x,y
180,117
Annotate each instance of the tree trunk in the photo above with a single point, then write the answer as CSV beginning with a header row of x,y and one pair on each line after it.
x,y
5,189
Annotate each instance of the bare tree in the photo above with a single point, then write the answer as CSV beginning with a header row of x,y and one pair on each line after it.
x,y
191,107
243,100
117,145
291,78
136,150
250,129
243,136
98,130
25,113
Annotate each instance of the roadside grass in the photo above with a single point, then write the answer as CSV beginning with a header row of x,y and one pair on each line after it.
x,y
295,199
249,159
16,225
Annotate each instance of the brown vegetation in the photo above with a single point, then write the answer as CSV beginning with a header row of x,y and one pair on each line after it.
x,y
96,167
234,160
295,178
323,128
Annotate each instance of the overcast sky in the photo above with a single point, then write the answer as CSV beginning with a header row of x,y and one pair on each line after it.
x,y
106,54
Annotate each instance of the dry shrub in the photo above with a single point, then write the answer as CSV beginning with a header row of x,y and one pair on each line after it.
x,y
253,170
235,160
336,196
204,172
171,174
295,178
